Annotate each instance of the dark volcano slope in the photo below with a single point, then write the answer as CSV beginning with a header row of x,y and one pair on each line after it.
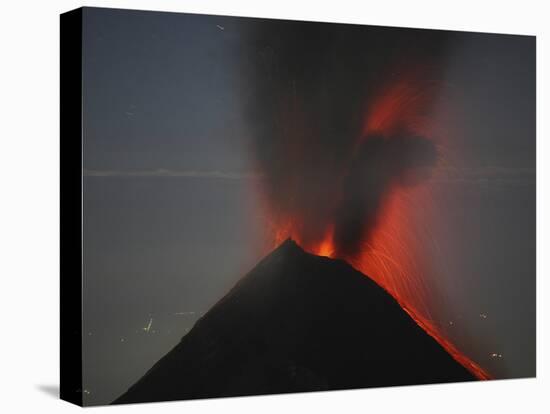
x,y
298,322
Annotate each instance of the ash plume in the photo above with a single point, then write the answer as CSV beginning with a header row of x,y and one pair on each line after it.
x,y
324,170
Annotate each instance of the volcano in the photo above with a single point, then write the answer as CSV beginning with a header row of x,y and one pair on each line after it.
x,y
298,322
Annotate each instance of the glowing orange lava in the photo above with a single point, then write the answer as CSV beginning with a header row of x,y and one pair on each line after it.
x,y
390,255
389,259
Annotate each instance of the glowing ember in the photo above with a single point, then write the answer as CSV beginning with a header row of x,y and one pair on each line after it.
x,y
326,248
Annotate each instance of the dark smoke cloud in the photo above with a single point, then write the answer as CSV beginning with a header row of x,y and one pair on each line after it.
x,y
311,93
380,164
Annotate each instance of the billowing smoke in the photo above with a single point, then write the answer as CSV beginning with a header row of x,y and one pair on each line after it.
x,y
379,165
342,133
338,124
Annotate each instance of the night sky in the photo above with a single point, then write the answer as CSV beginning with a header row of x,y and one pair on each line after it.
x,y
181,128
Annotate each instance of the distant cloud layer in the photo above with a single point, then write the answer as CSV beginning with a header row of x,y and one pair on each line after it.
x,y
171,173
485,175
479,175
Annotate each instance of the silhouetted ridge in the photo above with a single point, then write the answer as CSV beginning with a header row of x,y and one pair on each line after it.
x,y
288,244
298,322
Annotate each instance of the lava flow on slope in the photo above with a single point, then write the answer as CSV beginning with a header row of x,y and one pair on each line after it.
x,y
366,211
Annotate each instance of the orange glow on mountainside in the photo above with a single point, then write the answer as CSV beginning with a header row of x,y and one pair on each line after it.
x,y
387,247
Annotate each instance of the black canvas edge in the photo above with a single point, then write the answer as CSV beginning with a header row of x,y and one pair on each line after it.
x,y
71,207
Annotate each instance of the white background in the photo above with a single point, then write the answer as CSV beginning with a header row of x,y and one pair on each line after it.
x,y
29,206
